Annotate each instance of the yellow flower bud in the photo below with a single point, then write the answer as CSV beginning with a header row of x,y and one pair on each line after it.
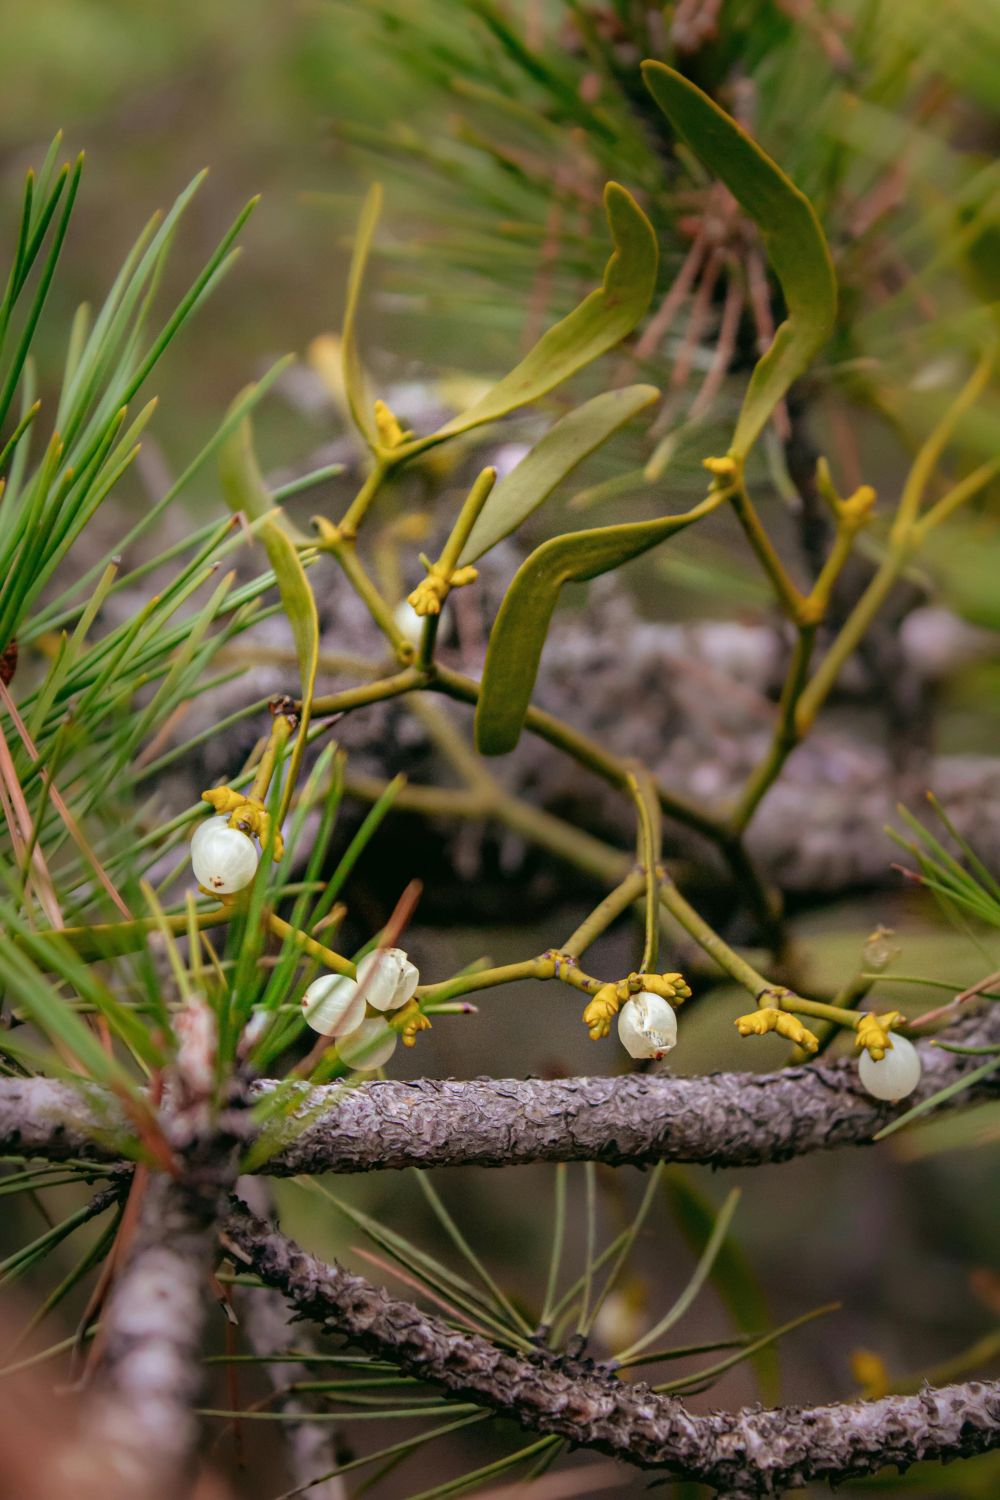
x,y
390,433
247,814
668,986
769,1018
873,1033
601,1011
413,1020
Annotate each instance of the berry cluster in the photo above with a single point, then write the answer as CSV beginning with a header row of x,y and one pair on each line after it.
x,y
225,861
336,1006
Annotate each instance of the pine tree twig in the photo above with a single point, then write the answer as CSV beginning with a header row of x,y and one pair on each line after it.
x,y
740,1454
142,1415
267,1322
722,1119
726,1119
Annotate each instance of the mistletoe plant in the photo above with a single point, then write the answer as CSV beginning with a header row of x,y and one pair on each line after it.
x,y
545,101
155,1043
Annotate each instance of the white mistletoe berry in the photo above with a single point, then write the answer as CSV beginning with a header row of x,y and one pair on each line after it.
x,y
370,1046
895,1075
387,978
205,830
334,1005
647,1025
224,859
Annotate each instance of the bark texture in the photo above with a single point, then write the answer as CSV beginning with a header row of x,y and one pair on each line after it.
x,y
144,1412
271,1329
47,1118
726,1119
150,1376
744,1453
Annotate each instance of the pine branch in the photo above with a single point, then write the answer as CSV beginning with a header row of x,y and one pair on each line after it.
x,y
741,1454
150,1372
725,1119
267,1321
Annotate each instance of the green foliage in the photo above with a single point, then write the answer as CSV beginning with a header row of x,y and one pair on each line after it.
x,y
518,635
733,1275
600,322
790,230
243,488
551,460
355,386
908,203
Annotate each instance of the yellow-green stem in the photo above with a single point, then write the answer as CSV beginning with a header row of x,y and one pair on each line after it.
x,y
848,998
708,939
585,751
428,640
358,507
843,544
956,496
848,639
609,910
605,863
429,801
788,596
320,951
346,554
926,460
467,518
834,1013
786,734
486,979
369,692
277,739
107,939
647,810
596,856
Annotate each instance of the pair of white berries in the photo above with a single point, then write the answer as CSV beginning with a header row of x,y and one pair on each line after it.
x,y
224,859
335,1006
647,1027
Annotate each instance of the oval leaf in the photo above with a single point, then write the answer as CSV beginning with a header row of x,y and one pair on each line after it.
x,y
245,490
557,454
356,391
602,320
519,632
795,243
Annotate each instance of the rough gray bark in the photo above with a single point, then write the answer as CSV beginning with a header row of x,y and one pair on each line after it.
x,y
744,1453
723,1119
268,1323
726,1119
45,1117
142,1412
